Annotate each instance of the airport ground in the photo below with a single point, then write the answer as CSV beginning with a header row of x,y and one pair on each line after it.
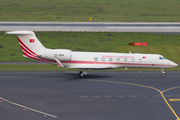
x,y
102,95
98,96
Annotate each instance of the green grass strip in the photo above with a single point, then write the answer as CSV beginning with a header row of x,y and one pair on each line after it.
x,y
99,10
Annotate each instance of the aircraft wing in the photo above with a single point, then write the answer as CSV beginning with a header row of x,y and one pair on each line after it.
x,y
59,63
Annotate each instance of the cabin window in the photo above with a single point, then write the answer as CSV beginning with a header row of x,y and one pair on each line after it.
x,y
125,59
103,59
95,58
132,59
110,59
118,59
140,60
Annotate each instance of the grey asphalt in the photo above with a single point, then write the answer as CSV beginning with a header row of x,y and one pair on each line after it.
x,y
101,95
162,27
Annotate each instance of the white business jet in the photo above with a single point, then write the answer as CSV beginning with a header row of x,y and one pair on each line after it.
x,y
32,48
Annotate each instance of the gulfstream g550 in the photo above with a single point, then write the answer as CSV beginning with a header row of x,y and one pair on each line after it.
x,y
32,48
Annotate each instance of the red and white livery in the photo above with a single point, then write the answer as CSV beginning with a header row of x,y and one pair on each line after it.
x,y
32,48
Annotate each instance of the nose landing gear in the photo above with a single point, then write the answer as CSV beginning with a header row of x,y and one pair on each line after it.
x,y
163,73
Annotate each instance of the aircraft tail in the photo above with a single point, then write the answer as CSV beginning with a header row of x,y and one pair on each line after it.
x,y
30,45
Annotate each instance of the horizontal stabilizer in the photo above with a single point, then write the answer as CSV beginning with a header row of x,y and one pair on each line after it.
x,y
20,32
59,62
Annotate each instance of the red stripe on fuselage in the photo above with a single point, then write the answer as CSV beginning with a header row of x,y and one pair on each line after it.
x,y
95,62
112,63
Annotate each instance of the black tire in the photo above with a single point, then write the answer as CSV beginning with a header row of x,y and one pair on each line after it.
x,y
80,74
163,75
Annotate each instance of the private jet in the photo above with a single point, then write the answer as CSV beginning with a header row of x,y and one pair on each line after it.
x,y
65,58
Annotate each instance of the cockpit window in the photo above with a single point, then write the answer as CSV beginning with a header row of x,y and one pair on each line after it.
x,y
162,58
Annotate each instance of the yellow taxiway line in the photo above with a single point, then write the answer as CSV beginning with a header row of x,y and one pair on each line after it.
x,y
161,92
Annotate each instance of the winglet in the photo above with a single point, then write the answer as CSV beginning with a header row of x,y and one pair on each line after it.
x,y
59,62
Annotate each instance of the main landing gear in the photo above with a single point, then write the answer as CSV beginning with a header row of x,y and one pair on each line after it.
x,y
83,73
163,73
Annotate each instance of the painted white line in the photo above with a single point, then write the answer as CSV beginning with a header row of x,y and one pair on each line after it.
x,y
29,108
148,23
146,27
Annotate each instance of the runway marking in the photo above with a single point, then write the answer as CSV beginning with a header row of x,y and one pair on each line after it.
x,y
120,96
37,111
128,96
171,88
174,100
142,76
144,27
145,86
84,96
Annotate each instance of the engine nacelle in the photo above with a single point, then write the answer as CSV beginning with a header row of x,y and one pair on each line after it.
x,y
61,54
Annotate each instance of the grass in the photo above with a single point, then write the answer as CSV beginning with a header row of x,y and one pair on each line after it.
x,y
99,10
167,45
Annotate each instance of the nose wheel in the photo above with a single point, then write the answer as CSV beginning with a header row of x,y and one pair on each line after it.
x,y
163,73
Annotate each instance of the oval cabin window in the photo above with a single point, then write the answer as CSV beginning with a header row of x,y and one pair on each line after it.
x,y
125,59
132,59
95,58
110,59
140,60
103,59
118,59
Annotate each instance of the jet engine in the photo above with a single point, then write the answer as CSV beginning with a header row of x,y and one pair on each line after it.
x,y
61,54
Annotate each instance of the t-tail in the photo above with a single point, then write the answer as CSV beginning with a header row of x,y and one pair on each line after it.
x,y
30,45
32,48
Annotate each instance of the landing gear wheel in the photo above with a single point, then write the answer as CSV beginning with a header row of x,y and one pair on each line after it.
x,y
81,74
163,75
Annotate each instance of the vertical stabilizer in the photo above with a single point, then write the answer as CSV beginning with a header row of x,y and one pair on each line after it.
x,y
29,44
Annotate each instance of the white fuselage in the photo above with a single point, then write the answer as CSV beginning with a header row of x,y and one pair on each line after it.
x,y
102,60
116,60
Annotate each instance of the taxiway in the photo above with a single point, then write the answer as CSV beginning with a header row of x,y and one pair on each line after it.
x,y
102,95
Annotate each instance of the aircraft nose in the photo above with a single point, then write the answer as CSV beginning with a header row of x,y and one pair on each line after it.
x,y
173,64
